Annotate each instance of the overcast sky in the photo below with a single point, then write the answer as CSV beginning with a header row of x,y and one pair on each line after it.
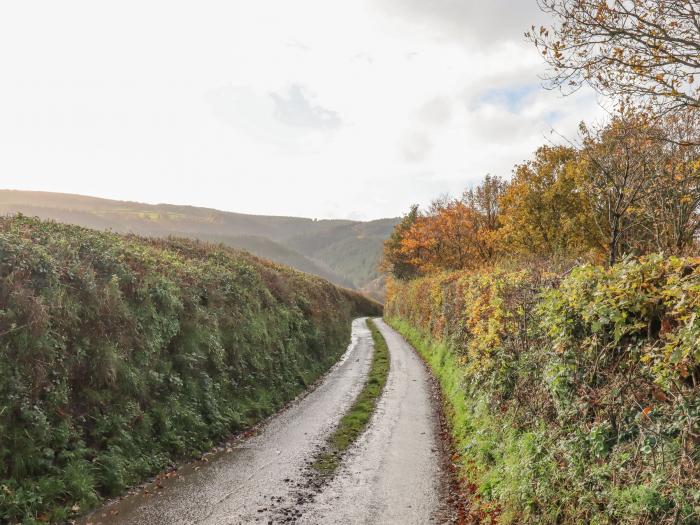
x,y
316,108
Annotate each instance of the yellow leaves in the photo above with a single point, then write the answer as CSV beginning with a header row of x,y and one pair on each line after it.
x,y
479,301
544,209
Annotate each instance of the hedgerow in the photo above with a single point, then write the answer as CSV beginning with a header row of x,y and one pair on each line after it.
x,y
120,355
573,399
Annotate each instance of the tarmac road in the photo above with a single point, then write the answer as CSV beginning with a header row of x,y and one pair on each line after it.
x,y
392,474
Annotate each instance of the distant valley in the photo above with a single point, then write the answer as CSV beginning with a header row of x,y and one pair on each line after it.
x,y
345,252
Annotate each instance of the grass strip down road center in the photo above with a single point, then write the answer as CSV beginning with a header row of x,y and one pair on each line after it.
x,y
356,419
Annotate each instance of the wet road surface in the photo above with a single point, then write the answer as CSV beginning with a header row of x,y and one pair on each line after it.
x,y
390,475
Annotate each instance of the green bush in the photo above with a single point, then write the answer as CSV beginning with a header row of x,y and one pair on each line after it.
x,y
119,355
574,399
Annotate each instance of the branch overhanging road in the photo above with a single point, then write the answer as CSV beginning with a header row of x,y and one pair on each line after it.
x,y
392,474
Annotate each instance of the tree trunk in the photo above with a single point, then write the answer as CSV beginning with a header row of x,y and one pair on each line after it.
x,y
614,238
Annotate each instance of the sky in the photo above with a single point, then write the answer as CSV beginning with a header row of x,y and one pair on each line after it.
x,y
308,108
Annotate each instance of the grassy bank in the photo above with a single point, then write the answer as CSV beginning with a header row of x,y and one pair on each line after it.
x,y
574,399
476,435
355,420
120,355
445,366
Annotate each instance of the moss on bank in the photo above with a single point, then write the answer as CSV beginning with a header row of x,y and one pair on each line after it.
x,y
120,355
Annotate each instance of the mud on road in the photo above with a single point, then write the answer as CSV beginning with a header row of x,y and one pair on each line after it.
x,y
392,474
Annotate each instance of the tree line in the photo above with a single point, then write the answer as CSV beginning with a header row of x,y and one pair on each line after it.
x,y
630,186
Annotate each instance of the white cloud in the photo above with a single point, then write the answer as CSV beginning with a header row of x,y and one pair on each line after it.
x,y
415,146
310,108
436,112
478,24
298,109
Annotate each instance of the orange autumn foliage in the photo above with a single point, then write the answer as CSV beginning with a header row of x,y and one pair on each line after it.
x,y
455,234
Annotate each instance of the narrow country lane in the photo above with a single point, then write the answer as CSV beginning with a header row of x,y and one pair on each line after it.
x,y
391,475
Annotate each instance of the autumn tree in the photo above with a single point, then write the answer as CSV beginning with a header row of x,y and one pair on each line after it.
x,y
442,238
647,50
544,209
452,234
631,186
485,200
395,260
619,168
671,208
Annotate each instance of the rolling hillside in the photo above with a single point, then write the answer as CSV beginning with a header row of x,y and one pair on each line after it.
x,y
344,252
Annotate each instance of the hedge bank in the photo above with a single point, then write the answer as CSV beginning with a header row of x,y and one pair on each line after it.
x,y
573,399
120,355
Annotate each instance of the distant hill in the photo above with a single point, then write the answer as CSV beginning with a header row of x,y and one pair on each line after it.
x,y
351,249
342,251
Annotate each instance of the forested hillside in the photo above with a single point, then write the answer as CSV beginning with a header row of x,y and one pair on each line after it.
x,y
350,249
344,252
121,354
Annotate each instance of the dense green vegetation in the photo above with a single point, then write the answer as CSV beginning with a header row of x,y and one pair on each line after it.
x,y
573,399
344,252
356,419
121,354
